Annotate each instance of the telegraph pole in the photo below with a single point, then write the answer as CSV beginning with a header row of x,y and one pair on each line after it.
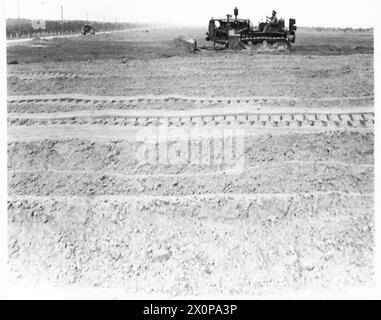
x,y
62,27
18,17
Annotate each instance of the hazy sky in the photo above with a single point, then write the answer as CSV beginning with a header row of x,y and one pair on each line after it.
x,y
340,13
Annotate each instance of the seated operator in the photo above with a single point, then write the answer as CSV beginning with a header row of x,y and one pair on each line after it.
x,y
271,21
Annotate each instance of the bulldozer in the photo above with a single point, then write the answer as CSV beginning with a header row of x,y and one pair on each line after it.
x,y
87,28
235,33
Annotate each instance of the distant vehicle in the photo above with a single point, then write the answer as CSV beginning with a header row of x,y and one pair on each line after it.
x,y
230,32
87,28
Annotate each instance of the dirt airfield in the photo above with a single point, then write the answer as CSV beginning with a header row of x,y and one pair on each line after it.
x,y
298,214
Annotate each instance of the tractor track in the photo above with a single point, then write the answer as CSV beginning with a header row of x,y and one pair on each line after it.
x,y
80,98
195,76
46,75
242,111
256,119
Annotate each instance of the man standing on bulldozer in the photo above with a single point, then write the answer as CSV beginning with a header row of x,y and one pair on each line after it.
x,y
236,12
271,21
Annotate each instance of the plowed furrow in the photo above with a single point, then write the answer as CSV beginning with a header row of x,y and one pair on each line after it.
x,y
48,152
284,178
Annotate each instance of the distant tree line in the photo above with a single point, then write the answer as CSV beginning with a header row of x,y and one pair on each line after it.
x,y
349,29
23,27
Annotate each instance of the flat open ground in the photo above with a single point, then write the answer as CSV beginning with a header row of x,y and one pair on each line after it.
x,y
298,214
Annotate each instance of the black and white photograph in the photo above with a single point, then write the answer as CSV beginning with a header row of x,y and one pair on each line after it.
x,y
188,150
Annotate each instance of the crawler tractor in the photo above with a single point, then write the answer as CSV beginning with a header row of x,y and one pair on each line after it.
x,y
87,28
238,33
